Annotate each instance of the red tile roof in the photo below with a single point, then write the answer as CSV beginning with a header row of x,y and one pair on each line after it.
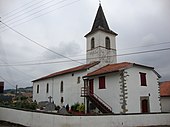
x,y
116,67
165,89
110,68
78,68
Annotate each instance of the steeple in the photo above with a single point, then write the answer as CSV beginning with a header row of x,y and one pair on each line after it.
x,y
101,41
100,23
100,20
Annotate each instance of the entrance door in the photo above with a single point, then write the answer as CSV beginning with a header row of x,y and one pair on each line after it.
x,y
145,105
91,87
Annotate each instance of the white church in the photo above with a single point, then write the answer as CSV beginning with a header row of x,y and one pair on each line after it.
x,y
110,86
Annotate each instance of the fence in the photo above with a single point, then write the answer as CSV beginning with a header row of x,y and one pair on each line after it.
x,y
38,119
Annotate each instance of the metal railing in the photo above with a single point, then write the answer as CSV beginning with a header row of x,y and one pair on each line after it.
x,y
85,92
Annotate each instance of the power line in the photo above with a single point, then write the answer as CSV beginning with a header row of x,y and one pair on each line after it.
x,y
35,42
40,63
34,9
41,60
40,15
12,11
17,69
148,45
127,54
28,61
133,53
142,52
7,81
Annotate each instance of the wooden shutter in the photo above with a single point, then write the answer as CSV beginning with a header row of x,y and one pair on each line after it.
x,y
143,79
102,82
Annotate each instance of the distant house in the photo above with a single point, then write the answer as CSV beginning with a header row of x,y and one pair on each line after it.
x,y
102,84
1,87
165,96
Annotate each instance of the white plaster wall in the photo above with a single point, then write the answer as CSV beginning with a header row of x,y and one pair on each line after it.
x,y
135,90
111,94
71,92
95,54
15,116
42,95
34,119
99,37
165,103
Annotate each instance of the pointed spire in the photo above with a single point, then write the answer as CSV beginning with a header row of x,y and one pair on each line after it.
x,y
99,2
100,20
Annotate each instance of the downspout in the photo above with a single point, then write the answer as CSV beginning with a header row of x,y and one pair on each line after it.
x,y
52,87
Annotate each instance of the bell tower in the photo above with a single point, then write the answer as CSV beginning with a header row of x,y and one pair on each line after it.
x,y
101,41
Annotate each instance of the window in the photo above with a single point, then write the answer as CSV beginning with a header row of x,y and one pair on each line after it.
x,y
107,42
38,87
143,79
1,87
61,87
91,86
102,82
92,43
78,80
47,88
62,99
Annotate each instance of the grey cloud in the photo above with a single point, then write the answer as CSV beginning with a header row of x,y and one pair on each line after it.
x,y
70,49
138,23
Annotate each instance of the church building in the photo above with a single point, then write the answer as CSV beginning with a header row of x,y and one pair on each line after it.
x,y
102,84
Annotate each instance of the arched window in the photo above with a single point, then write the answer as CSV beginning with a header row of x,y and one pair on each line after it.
x,y
107,42
38,88
62,99
47,88
61,87
92,43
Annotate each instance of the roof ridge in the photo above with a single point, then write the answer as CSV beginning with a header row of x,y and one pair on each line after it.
x,y
65,71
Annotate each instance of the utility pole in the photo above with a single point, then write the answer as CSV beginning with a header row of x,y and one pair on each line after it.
x,y
16,90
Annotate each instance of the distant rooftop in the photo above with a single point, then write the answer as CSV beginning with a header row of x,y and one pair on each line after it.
x,y
165,89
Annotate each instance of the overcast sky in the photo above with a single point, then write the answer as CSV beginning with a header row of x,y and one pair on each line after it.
x,y
60,25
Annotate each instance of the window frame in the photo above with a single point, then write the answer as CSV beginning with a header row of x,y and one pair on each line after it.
x,y
62,100
61,87
102,82
78,80
142,99
47,88
143,79
38,88
107,43
92,43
